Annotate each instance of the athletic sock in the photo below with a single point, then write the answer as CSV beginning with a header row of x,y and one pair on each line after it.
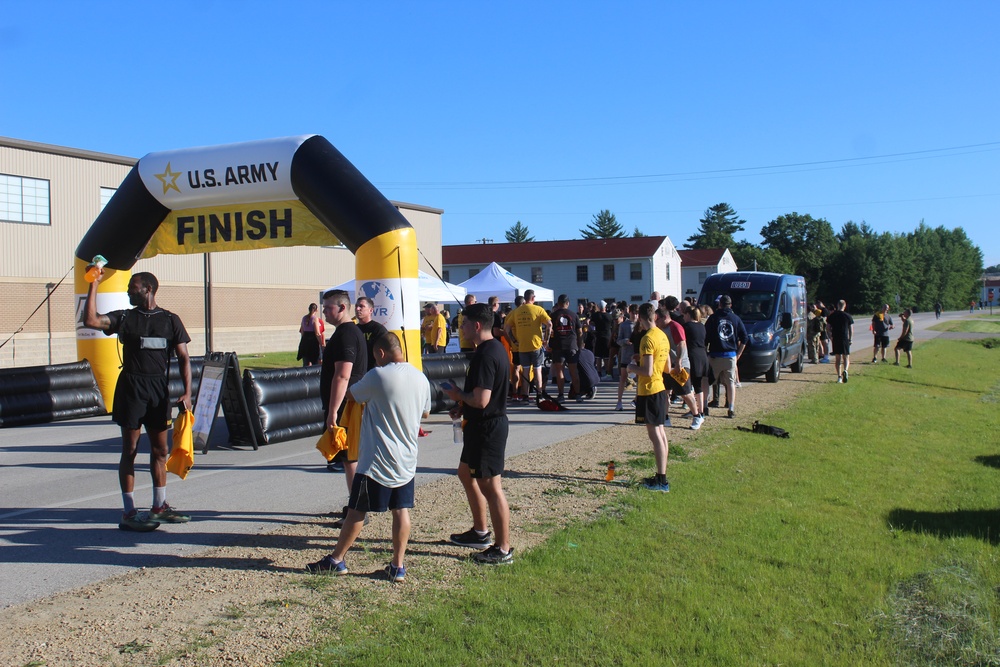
x,y
481,533
128,501
159,496
661,479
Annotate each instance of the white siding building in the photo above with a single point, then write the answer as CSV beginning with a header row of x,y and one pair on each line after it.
x,y
697,265
626,269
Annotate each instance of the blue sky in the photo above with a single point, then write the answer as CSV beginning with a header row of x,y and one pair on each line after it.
x,y
548,112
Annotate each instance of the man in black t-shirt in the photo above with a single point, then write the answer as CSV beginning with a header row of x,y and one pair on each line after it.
x,y
483,404
841,327
149,335
564,344
364,308
344,363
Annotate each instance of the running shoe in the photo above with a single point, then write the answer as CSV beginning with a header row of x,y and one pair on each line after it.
x,y
472,539
327,565
395,573
697,422
730,413
335,466
167,514
650,484
494,556
137,523
619,407
845,375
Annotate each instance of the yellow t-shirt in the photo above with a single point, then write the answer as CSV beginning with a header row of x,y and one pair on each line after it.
x,y
463,342
655,343
434,330
528,322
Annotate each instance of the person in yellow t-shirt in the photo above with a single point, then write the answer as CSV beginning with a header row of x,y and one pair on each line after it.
x,y
465,344
434,330
650,362
529,326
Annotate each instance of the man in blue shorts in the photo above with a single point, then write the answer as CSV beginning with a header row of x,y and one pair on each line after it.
x,y
483,404
397,397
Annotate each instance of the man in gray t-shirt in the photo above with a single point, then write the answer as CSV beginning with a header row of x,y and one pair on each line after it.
x,y
396,397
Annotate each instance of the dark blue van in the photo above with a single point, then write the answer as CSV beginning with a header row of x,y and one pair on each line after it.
x,y
773,309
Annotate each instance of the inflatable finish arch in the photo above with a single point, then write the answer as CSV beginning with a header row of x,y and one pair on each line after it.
x,y
275,192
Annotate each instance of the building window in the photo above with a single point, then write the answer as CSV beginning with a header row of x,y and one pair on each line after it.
x,y
473,272
536,274
635,271
609,271
581,274
635,298
701,277
106,195
24,200
446,275
668,270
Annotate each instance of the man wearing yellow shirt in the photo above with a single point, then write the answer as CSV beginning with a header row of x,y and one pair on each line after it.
x,y
529,327
434,330
650,363
465,344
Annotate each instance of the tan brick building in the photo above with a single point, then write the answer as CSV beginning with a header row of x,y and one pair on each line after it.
x,y
49,197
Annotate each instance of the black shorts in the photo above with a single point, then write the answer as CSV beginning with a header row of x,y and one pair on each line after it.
x,y
142,400
882,341
484,446
602,347
841,346
904,345
672,385
651,409
569,356
367,495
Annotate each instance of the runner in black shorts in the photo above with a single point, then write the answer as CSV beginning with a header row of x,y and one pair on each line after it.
x,y
483,404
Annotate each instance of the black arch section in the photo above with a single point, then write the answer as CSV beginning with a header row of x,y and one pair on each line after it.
x,y
122,244
340,196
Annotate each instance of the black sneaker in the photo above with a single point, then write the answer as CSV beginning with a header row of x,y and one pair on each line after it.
x,y
326,565
730,413
335,466
493,556
471,539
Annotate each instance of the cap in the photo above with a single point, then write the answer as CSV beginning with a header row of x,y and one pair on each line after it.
x,y
725,300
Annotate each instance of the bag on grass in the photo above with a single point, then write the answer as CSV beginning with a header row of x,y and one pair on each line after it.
x,y
765,429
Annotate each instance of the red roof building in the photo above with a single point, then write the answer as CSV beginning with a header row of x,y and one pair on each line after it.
x,y
697,265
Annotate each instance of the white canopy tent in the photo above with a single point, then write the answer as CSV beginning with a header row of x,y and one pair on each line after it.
x,y
430,289
496,281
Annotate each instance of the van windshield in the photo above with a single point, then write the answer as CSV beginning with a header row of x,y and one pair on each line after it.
x,y
753,306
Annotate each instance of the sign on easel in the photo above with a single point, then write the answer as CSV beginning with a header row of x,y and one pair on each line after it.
x,y
206,404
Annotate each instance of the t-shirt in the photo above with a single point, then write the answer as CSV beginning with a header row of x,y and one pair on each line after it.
x,y
839,325
907,333
373,331
528,322
346,344
489,368
678,336
435,330
565,330
135,324
602,323
654,342
463,342
397,395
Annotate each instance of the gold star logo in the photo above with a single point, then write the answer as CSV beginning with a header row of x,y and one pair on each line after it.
x,y
169,179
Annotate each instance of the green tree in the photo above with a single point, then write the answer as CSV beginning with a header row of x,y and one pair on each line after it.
x,y
637,233
518,233
748,256
806,241
992,269
717,230
604,226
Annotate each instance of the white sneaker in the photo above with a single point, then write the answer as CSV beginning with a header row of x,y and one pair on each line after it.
x,y
619,407
667,423
697,422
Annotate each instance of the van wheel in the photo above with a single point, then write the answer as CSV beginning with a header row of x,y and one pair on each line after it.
x,y
774,372
800,362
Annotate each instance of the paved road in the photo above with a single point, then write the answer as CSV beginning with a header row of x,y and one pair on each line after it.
x,y
60,504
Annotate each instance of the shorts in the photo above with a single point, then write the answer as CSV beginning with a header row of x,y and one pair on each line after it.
x,y
696,382
651,409
841,346
367,495
672,385
625,353
882,341
569,356
904,345
724,368
532,359
602,347
484,446
142,400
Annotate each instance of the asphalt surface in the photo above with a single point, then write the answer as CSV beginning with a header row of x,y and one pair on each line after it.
x,y
60,503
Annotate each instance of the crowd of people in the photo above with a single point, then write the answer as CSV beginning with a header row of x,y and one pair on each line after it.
x,y
667,349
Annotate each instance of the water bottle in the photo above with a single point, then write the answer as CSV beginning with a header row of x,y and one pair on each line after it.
x,y
94,268
456,431
610,477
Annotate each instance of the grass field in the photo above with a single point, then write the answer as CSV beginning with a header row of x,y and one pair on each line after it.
x,y
870,537
978,324
270,360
